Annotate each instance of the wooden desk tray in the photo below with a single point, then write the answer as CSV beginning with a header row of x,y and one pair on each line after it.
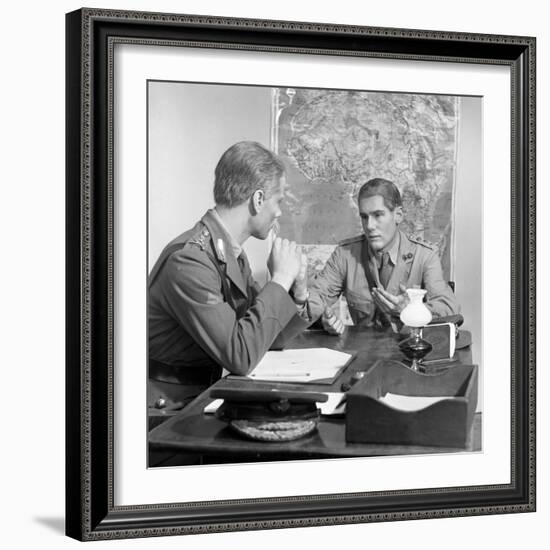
x,y
446,423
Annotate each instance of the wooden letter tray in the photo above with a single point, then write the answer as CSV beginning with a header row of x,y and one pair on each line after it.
x,y
446,423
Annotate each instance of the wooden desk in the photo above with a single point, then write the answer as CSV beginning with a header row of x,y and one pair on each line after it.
x,y
192,431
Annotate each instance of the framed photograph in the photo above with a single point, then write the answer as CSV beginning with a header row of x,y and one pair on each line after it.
x,y
402,163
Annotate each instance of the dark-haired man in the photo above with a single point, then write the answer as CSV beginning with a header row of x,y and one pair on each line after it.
x,y
373,270
205,310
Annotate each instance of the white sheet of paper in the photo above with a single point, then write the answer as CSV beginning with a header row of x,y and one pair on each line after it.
x,y
411,403
452,339
211,408
299,365
334,405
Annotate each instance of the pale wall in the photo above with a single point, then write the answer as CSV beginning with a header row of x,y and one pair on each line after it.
x,y
468,220
190,127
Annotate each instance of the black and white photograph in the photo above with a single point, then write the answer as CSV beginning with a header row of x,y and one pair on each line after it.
x,y
314,273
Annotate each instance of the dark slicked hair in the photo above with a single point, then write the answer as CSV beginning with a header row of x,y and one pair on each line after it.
x,y
385,188
244,168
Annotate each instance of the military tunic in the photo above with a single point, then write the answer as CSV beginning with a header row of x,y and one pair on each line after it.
x,y
352,270
204,309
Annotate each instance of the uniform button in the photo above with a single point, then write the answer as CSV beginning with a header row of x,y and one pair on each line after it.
x,y
160,403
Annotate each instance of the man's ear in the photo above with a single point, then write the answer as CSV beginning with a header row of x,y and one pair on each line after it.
x,y
398,213
257,201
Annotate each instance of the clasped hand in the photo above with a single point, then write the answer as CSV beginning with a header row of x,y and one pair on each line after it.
x,y
332,323
286,263
299,288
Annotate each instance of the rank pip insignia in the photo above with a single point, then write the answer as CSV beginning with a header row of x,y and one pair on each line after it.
x,y
200,239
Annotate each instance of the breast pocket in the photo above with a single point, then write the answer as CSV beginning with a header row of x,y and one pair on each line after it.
x,y
360,306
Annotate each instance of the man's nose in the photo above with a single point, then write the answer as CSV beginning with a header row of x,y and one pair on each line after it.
x,y
370,223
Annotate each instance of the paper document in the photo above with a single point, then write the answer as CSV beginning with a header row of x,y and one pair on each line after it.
x,y
411,403
300,365
211,408
336,404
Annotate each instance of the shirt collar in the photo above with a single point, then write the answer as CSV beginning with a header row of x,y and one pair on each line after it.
x,y
392,248
235,246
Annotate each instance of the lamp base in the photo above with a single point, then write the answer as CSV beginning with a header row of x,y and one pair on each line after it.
x,y
415,348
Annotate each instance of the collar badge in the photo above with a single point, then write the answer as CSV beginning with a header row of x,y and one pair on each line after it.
x,y
221,249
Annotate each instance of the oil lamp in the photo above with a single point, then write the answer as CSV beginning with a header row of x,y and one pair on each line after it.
x,y
415,315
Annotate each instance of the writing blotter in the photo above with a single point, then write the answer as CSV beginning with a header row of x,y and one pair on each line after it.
x,y
319,365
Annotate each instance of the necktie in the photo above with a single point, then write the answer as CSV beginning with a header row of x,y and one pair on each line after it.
x,y
385,270
243,266
246,273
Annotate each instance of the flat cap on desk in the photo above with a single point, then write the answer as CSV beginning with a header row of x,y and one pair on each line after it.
x,y
269,415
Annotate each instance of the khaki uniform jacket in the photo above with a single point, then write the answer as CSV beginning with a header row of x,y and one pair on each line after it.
x,y
202,310
352,271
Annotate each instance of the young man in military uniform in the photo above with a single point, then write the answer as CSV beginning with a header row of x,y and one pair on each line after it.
x,y
206,312
373,270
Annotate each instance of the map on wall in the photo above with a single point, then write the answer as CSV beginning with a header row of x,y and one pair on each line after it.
x,y
333,141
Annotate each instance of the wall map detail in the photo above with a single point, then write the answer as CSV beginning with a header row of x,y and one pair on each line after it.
x,y
333,141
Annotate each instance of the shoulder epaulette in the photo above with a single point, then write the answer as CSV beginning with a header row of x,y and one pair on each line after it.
x,y
200,238
417,239
351,240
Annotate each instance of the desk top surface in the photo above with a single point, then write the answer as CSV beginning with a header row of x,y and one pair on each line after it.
x,y
193,431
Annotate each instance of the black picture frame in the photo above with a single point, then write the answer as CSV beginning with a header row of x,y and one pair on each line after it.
x,y
90,512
